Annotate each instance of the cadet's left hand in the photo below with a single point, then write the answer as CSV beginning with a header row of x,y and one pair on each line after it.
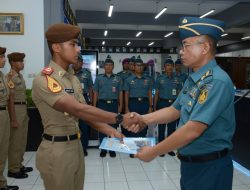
x,y
146,154
117,134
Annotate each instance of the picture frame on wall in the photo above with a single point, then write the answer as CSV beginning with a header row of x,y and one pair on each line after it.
x,y
11,23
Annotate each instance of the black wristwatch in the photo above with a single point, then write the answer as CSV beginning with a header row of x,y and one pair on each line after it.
x,y
119,118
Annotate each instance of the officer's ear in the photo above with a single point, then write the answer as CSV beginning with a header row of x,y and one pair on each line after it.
x,y
56,47
206,48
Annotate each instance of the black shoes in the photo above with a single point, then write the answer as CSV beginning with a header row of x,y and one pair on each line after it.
x,y
103,153
26,169
171,153
112,154
8,187
131,155
85,152
17,175
162,155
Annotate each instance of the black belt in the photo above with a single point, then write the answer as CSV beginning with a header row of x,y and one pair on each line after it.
x,y
138,98
3,108
204,157
61,138
167,100
108,101
20,103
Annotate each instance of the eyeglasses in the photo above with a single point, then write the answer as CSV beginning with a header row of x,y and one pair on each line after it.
x,y
185,45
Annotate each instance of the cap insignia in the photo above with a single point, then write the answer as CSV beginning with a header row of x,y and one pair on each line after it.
x,y
184,21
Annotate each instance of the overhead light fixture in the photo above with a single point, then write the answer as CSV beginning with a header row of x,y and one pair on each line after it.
x,y
105,33
128,43
103,43
208,13
161,12
224,35
138,34
246,37
151,43
110,10
169,34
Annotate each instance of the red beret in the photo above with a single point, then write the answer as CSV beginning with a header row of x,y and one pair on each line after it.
x,y
16,56
2,50
59,33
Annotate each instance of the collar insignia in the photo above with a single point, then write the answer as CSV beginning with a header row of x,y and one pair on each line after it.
x,y
48,70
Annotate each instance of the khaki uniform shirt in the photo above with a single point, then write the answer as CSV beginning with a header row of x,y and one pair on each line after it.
x,y
16,82
45,95
4,91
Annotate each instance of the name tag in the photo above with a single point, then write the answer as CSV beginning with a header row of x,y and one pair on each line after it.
x,y
69,90
113,89
174,92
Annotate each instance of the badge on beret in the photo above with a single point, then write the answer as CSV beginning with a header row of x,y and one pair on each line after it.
x,y
184,21
53,85
48,70
11,84
203,96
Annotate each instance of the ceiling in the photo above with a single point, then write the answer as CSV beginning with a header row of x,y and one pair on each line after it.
x,y
131,16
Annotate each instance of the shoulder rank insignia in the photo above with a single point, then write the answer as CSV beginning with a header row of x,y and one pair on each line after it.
x,y
48,70
208,73
53,85
11,84
203,96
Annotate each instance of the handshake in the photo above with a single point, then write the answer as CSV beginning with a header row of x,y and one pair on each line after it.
x,y
133,122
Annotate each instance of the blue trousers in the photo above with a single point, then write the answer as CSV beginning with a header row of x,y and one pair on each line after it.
x,y
162,127
140,107
111,107
85,130
211,175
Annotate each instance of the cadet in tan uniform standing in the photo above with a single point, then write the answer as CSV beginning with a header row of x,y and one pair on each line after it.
x,y
5,123
58,97
18,117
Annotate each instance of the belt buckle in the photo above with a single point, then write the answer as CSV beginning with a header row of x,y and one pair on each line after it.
x,y
109,101
78,135
139,99
170,101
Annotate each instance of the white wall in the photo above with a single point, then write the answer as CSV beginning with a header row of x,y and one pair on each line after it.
x,y
32,42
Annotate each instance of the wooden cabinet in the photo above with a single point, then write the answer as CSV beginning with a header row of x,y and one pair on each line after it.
x,y
237,68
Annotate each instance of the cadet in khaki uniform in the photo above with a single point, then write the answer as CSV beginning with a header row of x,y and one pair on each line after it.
x,y
18,117
57,94
5,123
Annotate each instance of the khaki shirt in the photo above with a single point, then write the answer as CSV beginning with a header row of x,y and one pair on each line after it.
x,y
56,122
4,90
18,85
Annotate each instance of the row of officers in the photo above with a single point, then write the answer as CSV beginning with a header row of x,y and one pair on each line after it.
x,y
130,90
14,119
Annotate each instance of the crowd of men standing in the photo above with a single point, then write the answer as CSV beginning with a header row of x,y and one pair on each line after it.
x,y
14,119
130,90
